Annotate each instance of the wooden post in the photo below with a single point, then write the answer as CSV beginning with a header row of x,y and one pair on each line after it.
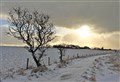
x,y
27,63
48,61
77,55
73,56
68,57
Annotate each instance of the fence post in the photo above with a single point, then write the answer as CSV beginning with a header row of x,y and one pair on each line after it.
x,y
27,63
77,55
73,56
48,61
68,57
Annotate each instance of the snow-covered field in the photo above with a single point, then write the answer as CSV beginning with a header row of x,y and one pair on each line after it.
x,y
91,69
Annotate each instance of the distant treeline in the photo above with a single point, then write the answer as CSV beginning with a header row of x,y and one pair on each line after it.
x,y
71,46
77,47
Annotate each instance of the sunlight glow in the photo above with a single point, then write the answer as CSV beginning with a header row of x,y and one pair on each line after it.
x,y
3,16
84,31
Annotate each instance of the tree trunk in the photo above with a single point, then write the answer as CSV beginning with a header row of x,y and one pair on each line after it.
x,y
61,60
36,61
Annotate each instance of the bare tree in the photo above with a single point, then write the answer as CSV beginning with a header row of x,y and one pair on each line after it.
x,y
32,28
41,53
62,53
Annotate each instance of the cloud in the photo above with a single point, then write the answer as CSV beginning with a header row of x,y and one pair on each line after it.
x,y
62,30
8,40
103,14
106,40
70,38
66,16
3,16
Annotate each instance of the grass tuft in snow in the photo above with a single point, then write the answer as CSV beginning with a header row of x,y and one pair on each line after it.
x,y
21,71
42,68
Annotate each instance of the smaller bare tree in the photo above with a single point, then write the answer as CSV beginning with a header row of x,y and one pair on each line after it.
x,y
62,53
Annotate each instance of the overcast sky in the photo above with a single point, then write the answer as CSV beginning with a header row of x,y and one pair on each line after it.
x,y
66,14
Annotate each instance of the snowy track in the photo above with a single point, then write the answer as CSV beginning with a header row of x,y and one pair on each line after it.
x,y
73,72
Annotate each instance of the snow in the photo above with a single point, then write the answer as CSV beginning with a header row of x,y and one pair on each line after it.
x,y
110,78
77,70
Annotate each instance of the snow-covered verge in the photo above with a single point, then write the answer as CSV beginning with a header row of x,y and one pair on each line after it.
x,y
104,69
16,57
100,68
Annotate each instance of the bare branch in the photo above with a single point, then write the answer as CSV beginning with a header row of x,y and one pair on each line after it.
x,y
32,28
